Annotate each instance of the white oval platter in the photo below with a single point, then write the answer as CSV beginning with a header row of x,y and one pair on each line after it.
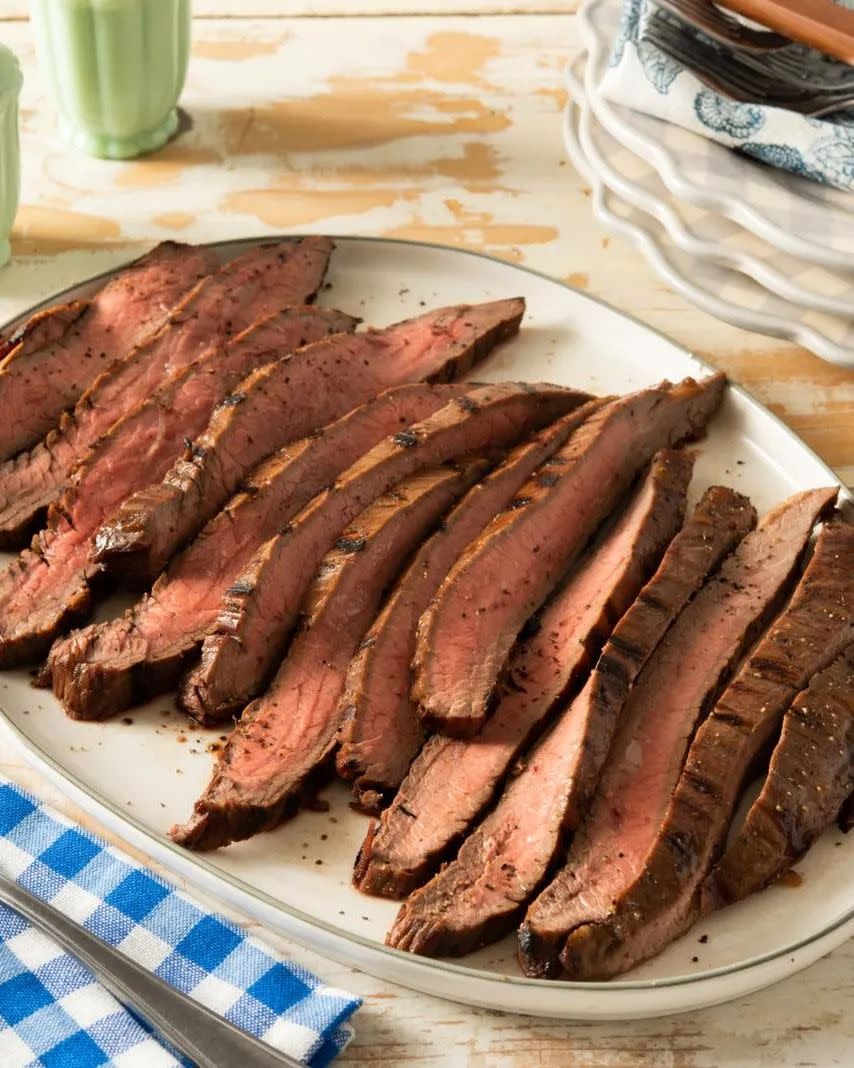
x,y
140,773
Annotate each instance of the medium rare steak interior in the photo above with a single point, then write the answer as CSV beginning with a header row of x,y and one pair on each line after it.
x,y
380,732
481,894
659,899
260,609
56,360
49,585
451,782
503,578
287,736
718,523
102,669
257,284
437,346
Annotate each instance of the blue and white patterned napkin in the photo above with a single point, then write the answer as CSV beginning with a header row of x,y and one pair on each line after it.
x,y
642,77
54,1013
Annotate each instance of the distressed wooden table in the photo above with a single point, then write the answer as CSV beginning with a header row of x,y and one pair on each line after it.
x,y
442,127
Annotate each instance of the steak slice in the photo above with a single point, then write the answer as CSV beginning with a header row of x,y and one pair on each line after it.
x,y
810,777
260,608
452,781
639,858
42,329
57,357
718,523
503,577
104,668
380,733
285,738
249,288
49,584
437,346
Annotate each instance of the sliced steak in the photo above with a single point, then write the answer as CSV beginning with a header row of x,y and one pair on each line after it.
x,y
503,577
816,628
437,346
104,668
57,358
380,732
259,610
41,329
810,777
718,523
261,282
452,781
628,906
285,738
48,585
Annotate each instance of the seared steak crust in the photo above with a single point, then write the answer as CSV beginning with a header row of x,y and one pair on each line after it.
x,y
718,523
54,359
48,585
380,732
810,776
287,736
259,610
661,899
263,281
436,347
480,896
100,670
452,781
503,578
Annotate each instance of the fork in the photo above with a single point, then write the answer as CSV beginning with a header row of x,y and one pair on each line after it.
x,y
205,1037
703,15
722,72
777,56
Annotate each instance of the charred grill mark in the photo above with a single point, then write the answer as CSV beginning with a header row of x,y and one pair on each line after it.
x,y
519,502
232,400
406,439
611,667
351,545
731,719
467,403
548,479
634,652
700,783
241,588
681,845
649,599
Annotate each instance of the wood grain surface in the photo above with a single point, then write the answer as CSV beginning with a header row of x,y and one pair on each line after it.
x,y
439,128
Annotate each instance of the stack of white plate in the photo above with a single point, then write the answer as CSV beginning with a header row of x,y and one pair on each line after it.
x,y
755,246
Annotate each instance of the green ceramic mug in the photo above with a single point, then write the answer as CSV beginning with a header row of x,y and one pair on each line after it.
x,y
117,68
10,156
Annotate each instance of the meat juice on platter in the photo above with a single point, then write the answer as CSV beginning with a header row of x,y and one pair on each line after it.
x,y
490,607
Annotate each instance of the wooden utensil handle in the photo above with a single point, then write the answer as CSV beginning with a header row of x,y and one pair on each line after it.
x,y
822,24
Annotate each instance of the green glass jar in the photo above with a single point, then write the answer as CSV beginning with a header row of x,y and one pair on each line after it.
x,y
117,68
10,153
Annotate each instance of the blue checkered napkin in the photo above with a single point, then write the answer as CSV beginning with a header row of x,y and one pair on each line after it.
x,y
54,1014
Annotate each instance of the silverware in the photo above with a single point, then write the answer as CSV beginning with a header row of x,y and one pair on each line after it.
x,y
203,1036
720,70
826,25
703,15
778,57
